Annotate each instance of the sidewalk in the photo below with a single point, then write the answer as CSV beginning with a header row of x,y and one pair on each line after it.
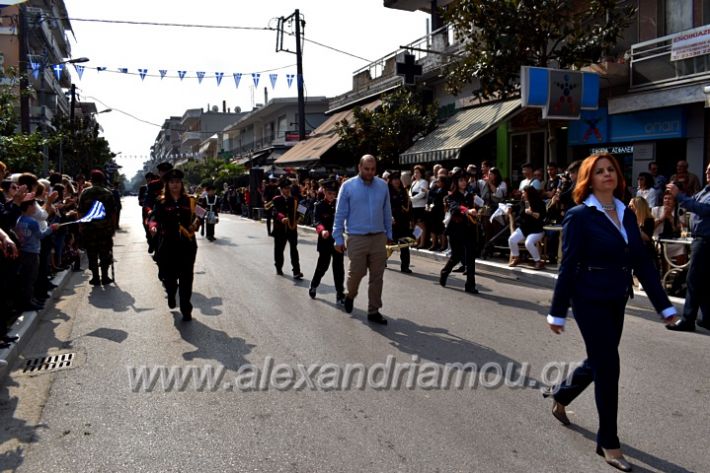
x,y
25,326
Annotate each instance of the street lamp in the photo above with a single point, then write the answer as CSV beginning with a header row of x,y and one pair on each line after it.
x,y
42,103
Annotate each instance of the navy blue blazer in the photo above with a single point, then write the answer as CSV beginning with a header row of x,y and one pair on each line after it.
x,y
597,263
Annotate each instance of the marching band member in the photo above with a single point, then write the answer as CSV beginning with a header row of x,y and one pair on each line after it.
x,y
401,206
324,216
461,230
174,219
284,208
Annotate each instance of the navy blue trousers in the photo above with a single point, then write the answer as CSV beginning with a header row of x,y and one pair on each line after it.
x,y
601,324
697,296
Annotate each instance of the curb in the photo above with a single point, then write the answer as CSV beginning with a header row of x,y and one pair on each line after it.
x,y
25,326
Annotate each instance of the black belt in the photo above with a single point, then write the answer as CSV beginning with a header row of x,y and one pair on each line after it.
x,y
607,268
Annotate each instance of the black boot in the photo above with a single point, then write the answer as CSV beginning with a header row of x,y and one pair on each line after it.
x,y
105,279
443,276
95,280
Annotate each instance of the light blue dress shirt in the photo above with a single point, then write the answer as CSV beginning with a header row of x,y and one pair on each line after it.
x,y
363,208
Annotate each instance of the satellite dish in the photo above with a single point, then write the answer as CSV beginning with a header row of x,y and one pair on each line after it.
x,y
237,109
215,108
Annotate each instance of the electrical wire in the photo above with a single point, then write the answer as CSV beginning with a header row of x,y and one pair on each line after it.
x,y
226,27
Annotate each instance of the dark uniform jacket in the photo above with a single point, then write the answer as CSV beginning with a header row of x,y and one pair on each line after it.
x,y
173,219
284,208
211,204
401,207
457,205
597,263
323,217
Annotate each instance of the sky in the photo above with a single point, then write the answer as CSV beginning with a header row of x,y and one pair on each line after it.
x,y
364,28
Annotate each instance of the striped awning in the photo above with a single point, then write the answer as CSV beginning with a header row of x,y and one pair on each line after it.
x,y
446,141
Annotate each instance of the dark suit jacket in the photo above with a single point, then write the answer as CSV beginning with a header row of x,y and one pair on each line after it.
x,y
323,218
597,263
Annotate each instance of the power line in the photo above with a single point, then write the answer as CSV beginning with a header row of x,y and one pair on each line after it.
x,y
195,25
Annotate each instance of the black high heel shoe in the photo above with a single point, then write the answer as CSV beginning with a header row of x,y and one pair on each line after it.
x,y
619,463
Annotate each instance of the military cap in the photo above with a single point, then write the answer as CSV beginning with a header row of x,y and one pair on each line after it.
x,y
164,166
173,174
285,182
330,186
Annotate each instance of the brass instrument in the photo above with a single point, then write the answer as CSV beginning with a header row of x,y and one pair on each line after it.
x,y
403,243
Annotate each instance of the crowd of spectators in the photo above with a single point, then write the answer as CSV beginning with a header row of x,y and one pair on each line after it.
x,y
35,246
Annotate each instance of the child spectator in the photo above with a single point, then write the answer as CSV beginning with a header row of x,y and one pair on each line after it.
x,y
29,235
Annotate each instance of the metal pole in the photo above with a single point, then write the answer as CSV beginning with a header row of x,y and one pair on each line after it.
x,y
24,82
299,80
43,128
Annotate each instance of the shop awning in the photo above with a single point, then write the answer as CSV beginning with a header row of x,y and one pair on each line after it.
x,y
445,142
320,140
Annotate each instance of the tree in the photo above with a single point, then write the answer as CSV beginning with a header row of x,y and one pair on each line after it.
x,y
211,170
389,130
509,34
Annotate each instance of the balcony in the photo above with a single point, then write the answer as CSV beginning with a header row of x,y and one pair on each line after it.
x,y
46,33
431,52
652,67
191,117
191,138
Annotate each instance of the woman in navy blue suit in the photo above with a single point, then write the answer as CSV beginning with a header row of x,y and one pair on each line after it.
x,y
602,245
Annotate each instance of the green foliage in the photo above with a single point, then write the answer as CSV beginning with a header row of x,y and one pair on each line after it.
x,y
514,33
80,150
211,170
387,131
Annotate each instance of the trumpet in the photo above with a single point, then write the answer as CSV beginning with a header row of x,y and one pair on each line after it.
x,y
403,243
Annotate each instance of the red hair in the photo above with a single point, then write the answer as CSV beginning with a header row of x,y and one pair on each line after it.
x,y
586,171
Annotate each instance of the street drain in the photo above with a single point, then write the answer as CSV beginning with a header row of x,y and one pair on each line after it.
x,y
49,363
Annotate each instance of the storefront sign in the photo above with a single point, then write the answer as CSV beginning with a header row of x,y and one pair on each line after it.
x,y
591,128
692,43
659,124
612,150
562,94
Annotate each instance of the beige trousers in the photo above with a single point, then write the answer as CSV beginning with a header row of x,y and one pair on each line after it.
x,y
367,252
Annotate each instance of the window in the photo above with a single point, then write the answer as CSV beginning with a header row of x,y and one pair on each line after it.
x,y
678,16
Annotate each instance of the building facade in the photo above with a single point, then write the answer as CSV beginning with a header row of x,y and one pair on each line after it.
x,y
33,36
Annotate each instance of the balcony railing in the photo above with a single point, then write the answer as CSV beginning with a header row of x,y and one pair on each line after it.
x,y
191,137
651,65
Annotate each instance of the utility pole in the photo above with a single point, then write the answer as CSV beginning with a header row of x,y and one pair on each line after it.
x,y
299,65
299,80
24,83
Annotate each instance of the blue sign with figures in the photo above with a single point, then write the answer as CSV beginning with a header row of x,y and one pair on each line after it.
x,y
659,124
592,128
562,94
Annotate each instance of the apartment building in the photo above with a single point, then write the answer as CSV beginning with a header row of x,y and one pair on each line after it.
x,y
40,26
199,125
262,136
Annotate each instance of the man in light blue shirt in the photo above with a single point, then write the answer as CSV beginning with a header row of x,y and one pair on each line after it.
x,y
363,212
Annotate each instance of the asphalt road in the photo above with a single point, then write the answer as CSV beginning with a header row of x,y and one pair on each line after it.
x,y
89,418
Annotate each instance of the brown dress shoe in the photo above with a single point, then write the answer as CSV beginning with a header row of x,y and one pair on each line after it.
x,y
514,261
539,264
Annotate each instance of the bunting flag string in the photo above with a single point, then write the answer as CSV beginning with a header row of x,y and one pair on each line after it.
x,y
58,69
36,69
79,70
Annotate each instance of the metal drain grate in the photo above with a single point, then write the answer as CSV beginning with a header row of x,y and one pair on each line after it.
x,y
49,363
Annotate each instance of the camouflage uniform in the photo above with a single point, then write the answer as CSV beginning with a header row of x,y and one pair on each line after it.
x,y
97,235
